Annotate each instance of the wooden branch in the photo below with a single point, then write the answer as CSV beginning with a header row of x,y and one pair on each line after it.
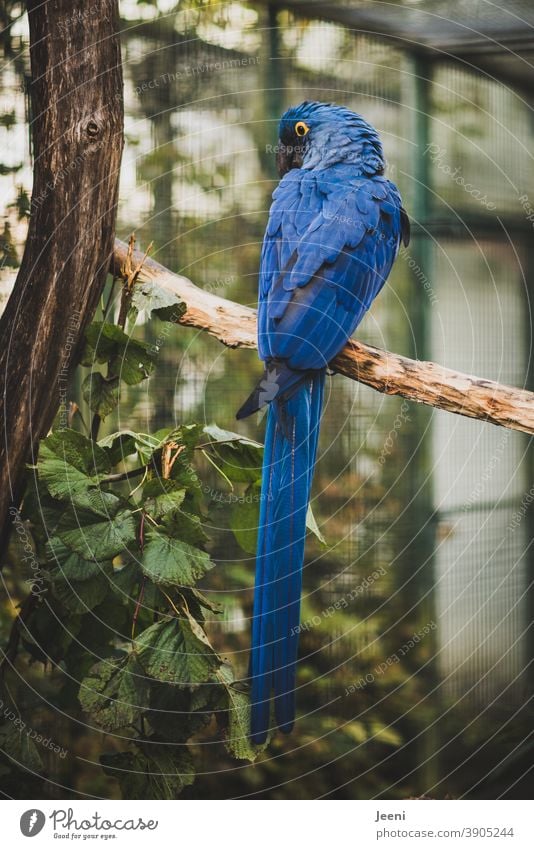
x,y
423,382
230,323
77,126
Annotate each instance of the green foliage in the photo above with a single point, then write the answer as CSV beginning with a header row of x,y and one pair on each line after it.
x,y
18,747
101,393
117,527
128,358
240,460
237,741
151,299
115,692
172,562
172,652
152,772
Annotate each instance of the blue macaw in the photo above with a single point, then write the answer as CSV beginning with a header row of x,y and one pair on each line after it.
x,y
334,230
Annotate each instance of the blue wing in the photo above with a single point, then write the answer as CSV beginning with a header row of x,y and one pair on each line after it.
x,y
330,243
331,240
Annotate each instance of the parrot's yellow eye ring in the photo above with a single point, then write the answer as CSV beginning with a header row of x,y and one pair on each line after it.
x,y
301,129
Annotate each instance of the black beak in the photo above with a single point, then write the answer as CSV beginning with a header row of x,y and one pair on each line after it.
x,y
288,157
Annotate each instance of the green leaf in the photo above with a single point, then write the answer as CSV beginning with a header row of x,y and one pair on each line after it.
x,y
176,714
142,441
153,299
205,602
170,651
101,393
218,435
185,526
19,747
238,731
241,460
244,518
161,496
97,539
65,562
125,580
196,628
155,772
238,457
97,501
172,562
75,450
116,692
66,483
118,447
80,596
69,466
101,340
62,480
187,435
129,359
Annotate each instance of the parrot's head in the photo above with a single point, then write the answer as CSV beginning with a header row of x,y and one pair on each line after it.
x,y
318,135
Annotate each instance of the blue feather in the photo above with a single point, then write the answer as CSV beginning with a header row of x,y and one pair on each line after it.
x,y
334,230
291,447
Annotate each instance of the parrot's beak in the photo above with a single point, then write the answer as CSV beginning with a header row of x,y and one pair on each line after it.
x,y
287,157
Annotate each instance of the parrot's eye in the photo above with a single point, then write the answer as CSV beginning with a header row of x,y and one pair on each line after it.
x,y
301,128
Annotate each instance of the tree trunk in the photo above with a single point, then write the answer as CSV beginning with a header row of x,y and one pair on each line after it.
x,y
77,133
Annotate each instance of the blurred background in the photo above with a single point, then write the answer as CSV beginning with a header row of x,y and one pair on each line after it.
x,y
415,675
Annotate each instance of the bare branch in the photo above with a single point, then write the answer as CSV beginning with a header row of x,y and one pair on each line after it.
x,y
423,382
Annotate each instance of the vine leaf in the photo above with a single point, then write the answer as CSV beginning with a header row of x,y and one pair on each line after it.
x,y
239,458
219,435
80,596
155,300
101,393
75,449
71,468
153,772
68,564
161,496
238,731
115,692
98,539
170,651
18,746
139,441
244,518
129,359
171,562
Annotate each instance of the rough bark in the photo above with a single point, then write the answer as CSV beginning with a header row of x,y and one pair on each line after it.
x,y
424,382
77,133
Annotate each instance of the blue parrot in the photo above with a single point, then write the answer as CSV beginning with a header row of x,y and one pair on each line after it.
x,y
334,230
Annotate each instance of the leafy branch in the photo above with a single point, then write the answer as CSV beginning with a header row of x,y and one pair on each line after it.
x,y
117,528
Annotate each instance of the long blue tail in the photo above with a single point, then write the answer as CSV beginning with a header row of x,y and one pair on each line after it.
x,y
288,465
